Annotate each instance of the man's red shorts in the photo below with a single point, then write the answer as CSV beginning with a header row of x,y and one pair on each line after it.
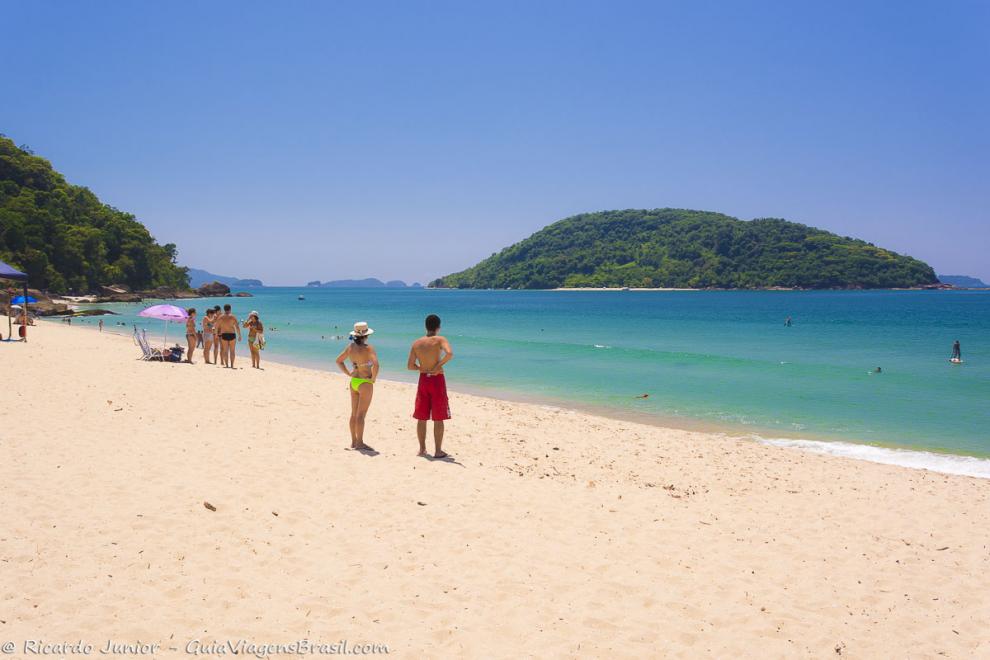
x,y
431,398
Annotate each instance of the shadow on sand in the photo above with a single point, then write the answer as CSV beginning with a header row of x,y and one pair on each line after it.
x,y
364,451
446,459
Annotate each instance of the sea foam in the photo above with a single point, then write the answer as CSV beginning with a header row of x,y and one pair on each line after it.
x,y
968,466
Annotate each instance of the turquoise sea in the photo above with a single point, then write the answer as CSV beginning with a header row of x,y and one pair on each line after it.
x,y
722,359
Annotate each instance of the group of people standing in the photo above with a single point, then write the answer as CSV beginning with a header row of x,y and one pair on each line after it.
x,y
428,355
221,330
219,334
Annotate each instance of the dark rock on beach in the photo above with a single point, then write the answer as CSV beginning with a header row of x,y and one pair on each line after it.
x,y
81,312
93,312
119,297
162,293
49,308
213,289
44,307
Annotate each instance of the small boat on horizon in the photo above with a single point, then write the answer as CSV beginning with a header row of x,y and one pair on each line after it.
x,y
301,297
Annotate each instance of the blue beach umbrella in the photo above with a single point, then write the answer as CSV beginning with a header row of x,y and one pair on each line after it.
x,y
20,300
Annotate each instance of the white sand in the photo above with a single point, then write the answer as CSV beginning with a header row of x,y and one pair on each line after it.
x,y
555,534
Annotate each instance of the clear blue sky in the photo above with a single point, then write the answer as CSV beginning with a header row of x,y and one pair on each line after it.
x,y
323,140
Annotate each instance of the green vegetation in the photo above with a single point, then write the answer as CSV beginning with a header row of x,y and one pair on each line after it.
x,y
688,249
66,239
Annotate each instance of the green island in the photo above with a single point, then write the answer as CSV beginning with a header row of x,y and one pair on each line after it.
x,y
67,240
680,248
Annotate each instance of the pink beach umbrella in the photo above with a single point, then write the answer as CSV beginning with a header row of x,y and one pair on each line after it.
x,y
165,313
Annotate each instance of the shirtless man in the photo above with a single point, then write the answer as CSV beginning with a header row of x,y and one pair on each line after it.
x,y
427,356
229,330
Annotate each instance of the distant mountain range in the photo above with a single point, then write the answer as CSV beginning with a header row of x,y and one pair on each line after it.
x,y
964,281
367,283
198,278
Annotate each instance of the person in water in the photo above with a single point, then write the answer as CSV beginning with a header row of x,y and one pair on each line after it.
x,y
427,356
230,334
363,376
256,334
787,321
191,337
956,352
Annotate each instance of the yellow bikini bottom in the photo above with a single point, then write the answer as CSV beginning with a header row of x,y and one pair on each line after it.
x,y
356,383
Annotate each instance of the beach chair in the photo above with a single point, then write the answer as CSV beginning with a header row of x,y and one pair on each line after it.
x,y
147,352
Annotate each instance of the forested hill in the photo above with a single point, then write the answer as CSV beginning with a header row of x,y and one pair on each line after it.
x,y
66,239
689,249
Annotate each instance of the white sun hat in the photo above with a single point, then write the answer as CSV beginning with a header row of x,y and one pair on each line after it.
x,y
361,329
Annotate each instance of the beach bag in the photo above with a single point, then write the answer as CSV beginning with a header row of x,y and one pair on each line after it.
x,y
259,341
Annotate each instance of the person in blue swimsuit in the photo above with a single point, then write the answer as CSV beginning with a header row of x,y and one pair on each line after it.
x,y
363,376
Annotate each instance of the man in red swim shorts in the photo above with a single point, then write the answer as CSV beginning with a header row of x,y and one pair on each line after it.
x,y
427,356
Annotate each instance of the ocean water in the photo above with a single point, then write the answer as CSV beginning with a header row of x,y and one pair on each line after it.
x,y
710,358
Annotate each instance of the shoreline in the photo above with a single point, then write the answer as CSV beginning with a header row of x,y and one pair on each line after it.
x,y
163,502
913,458
761,289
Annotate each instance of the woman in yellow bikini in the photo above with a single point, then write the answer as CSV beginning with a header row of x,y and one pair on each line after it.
x,y
362,386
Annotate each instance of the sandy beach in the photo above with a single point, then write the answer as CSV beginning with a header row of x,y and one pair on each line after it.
x,y
554,534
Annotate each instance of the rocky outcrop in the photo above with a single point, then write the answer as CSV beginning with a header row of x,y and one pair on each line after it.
x,y
93,312
50,309
118,297
82,312
213,289
44,307
242,294
170,292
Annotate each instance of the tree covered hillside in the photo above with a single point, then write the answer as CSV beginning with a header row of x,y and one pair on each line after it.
x,y
689,249
66,239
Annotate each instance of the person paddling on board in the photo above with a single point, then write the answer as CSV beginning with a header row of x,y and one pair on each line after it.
x,y
956,352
